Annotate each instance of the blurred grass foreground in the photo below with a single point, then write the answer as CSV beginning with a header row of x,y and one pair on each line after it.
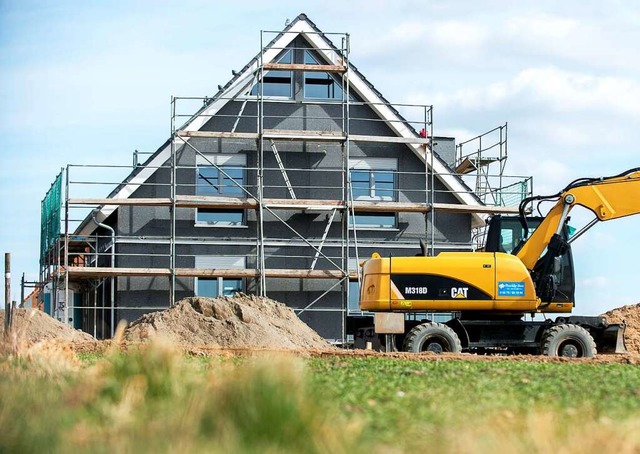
x,y
157,399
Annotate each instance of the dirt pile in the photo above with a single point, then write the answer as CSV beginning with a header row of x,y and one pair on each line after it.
x,y
31,326
241,321
631,316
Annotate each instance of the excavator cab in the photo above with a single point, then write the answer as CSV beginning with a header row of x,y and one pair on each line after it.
x,y
507,235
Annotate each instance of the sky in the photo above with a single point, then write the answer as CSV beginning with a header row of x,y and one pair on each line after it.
x,y
90,82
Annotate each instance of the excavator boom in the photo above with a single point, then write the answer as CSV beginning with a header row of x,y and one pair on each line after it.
x,y
608,198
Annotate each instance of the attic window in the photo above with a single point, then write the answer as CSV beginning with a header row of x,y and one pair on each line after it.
x,y
318,85
277,83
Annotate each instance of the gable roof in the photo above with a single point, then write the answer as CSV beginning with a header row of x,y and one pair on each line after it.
x,y
242,80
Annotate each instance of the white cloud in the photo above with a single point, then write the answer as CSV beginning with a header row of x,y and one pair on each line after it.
x,y
456,35
596,281
585,40
540,28
423,41
554,89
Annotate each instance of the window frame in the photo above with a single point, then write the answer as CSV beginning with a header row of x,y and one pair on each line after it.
x,y
356,221
210,261
314,75
373,179
226,187
230,164
287,52
219,286
371,168
222,222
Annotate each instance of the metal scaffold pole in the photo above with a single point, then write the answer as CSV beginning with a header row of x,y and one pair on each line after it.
x,y
347,191
262,287
172,209
433,184
66,249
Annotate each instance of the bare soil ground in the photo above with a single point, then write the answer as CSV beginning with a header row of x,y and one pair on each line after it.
x,y
631,316
249,325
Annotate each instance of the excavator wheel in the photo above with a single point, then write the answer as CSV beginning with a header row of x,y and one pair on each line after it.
x,y
568,340
432,337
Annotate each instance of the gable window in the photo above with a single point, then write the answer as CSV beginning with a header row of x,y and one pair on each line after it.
x,y
374,179
218,286
319,85
224,180
373,184
276,83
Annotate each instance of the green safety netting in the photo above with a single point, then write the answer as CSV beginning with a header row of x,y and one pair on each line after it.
x,y
513,194
50,216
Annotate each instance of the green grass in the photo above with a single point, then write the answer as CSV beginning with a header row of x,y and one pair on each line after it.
x,y
158,400
399,400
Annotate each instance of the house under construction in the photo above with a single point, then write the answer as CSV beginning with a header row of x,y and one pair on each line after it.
x,y
296,170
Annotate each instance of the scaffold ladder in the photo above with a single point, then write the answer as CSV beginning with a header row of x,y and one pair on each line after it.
x,y
282,169
324,237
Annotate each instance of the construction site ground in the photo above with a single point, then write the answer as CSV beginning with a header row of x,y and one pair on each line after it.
x,y
250,325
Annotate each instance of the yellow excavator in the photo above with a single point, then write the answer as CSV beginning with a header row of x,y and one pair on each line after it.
x,y
491,292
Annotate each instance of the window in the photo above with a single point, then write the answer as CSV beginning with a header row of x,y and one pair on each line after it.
x,y
354,288
211,181
224,180
319,85
374,179
220,217
218,286
276,83
373,185
374,220
354,297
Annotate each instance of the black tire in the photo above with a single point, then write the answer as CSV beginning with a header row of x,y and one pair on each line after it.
x,y
571,341
433,337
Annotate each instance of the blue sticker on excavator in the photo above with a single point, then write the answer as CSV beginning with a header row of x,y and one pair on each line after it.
x,y
510,288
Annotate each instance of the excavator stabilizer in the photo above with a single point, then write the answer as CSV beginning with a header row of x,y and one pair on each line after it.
x,y
612,339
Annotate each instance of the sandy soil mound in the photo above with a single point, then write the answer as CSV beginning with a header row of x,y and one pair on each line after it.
x,y
631,315
241,321
31,326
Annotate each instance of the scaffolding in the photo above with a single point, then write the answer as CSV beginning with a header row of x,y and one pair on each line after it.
x,y
91,259
481,162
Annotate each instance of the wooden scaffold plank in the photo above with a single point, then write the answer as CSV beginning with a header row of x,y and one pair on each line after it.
x,y
304,67
102,272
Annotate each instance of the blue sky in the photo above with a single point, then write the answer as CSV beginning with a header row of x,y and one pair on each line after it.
x,y
89,82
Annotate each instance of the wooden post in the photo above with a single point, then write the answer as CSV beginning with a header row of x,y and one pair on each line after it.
x,y
21,303
7,293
